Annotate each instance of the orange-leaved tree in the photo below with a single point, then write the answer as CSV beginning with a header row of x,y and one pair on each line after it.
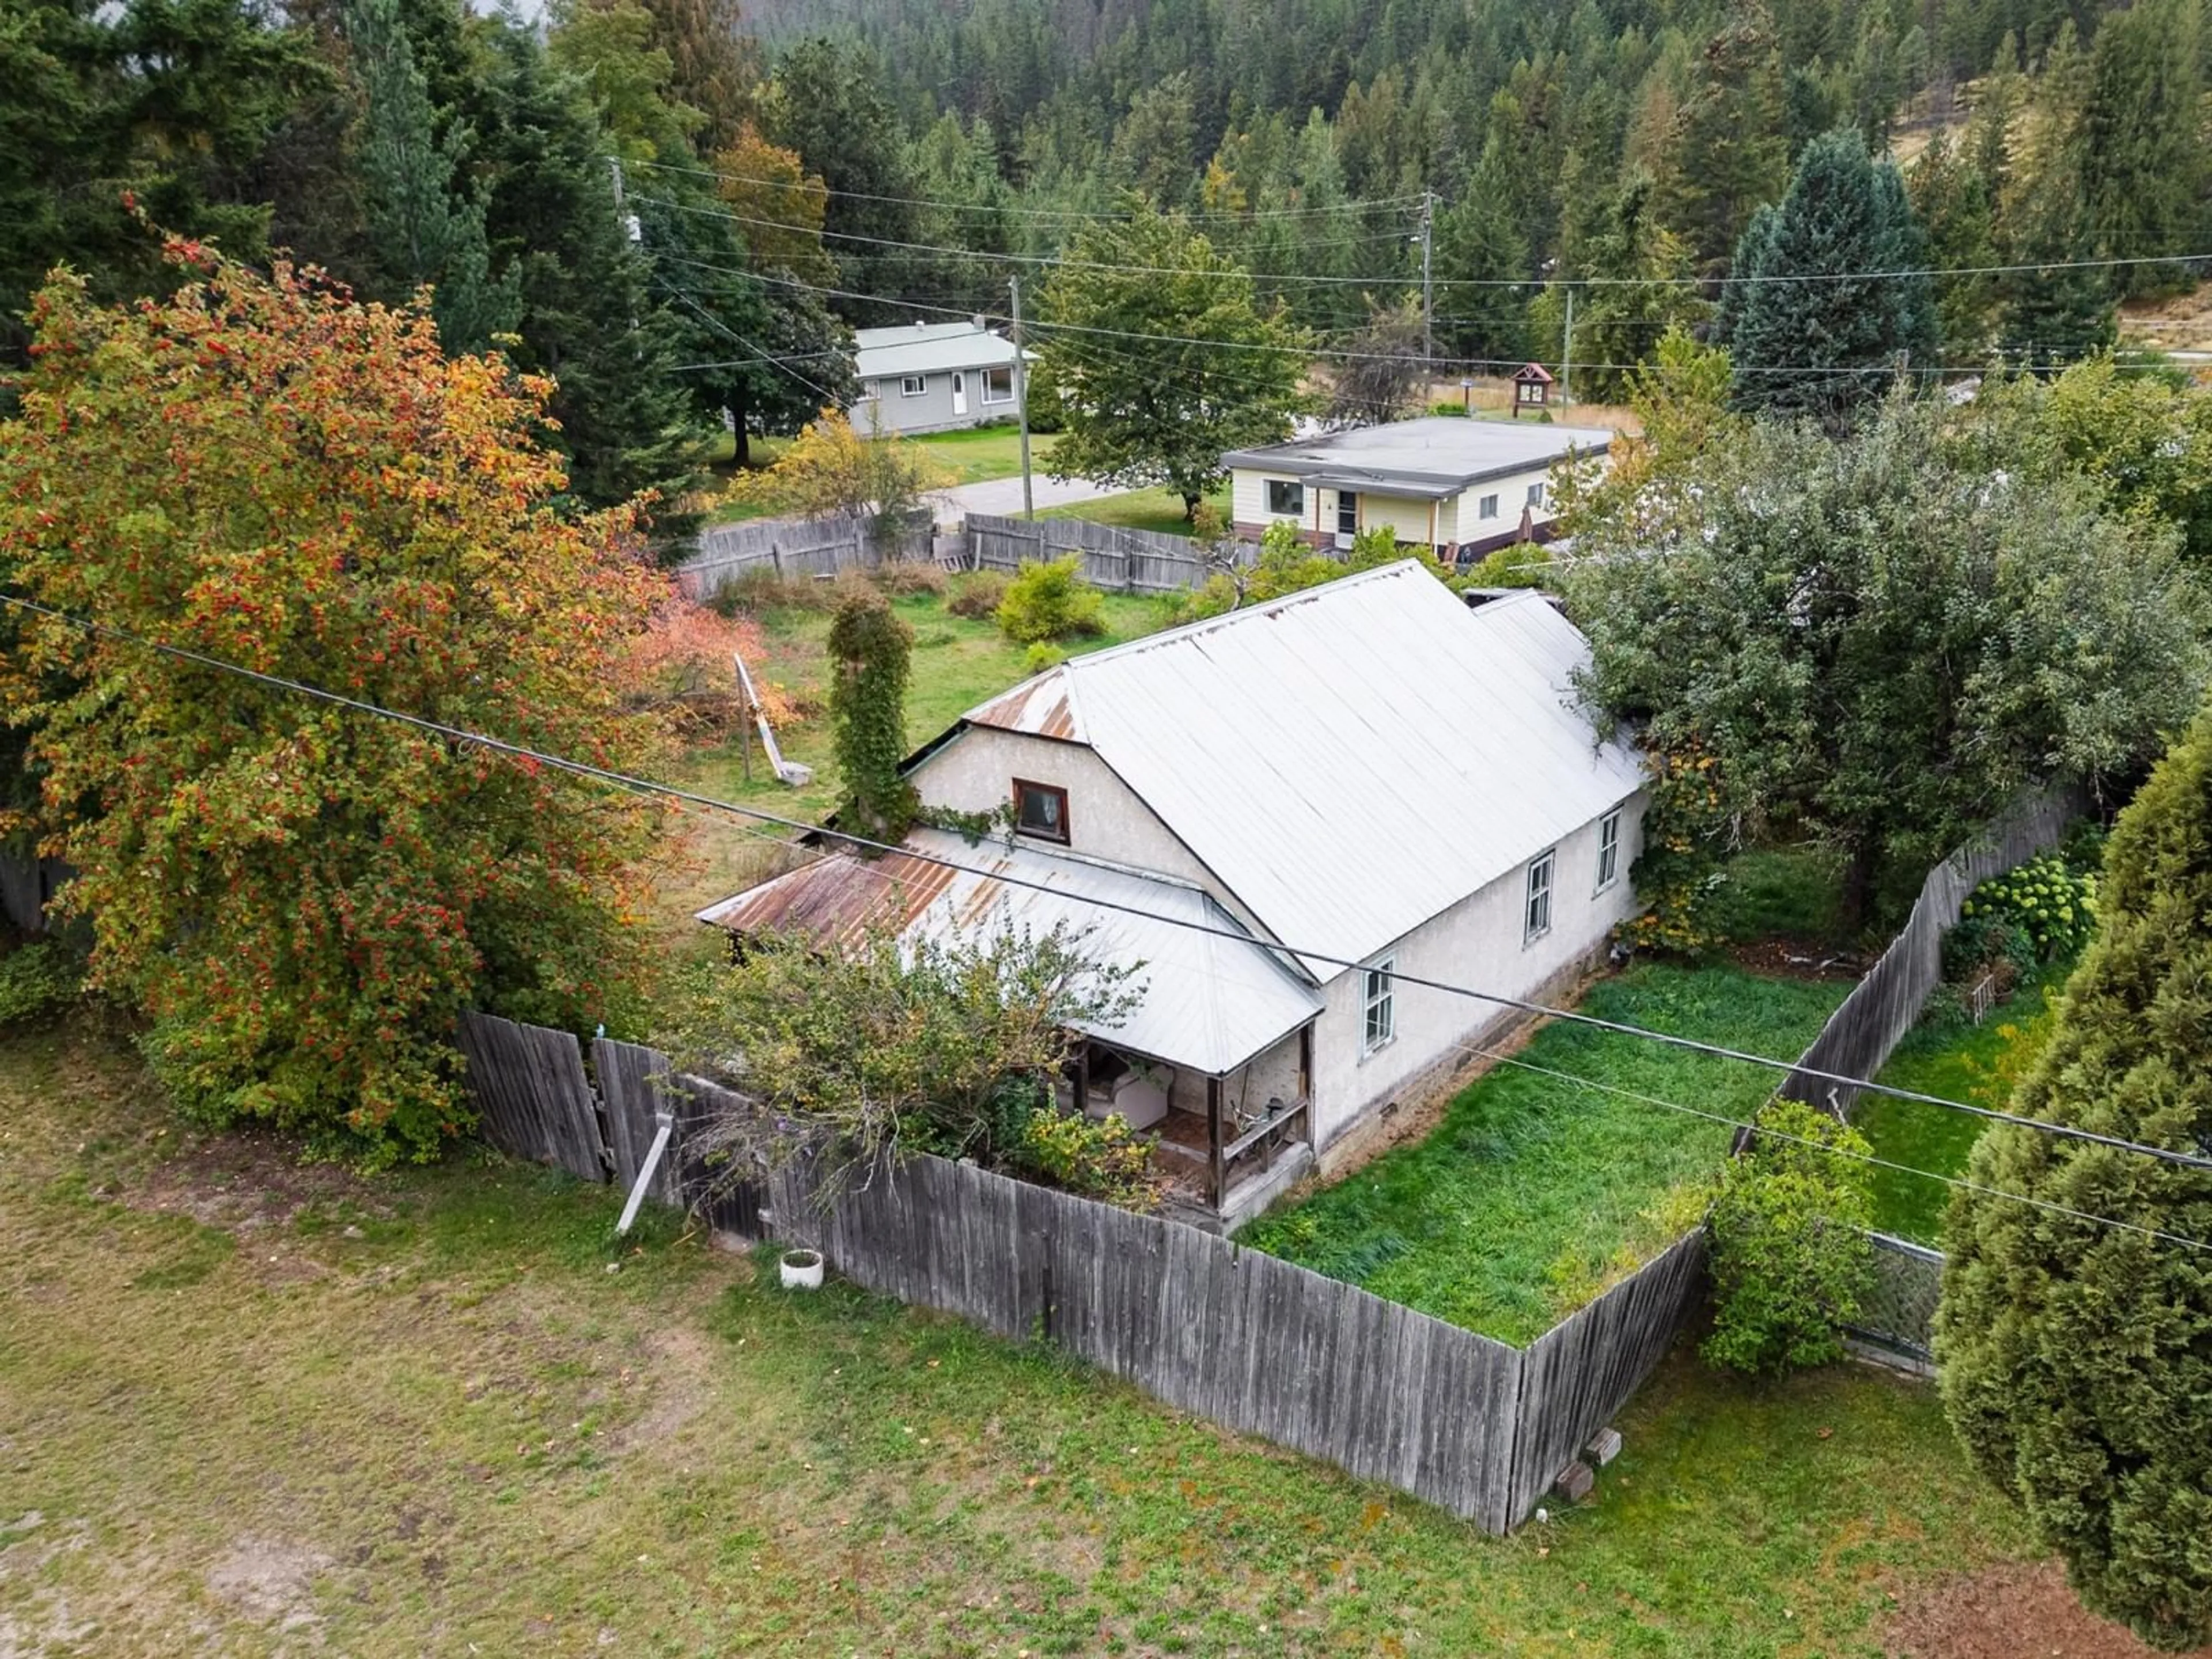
x,y
302,898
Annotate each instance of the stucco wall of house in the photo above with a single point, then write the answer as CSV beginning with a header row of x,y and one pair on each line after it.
x,y
976,773
1479,942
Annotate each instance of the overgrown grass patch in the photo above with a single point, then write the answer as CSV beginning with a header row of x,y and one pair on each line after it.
x,y
1779,892
458,1430
1947,1058
1533,1192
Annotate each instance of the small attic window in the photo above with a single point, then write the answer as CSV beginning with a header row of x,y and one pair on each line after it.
x,y
1041,809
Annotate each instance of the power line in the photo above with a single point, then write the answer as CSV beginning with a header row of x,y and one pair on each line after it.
x,y
1226,272
825,191
1444,365
648,787
1758,1129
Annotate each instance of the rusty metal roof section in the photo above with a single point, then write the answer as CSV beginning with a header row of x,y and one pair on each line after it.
x,y
1206,1003
1351,760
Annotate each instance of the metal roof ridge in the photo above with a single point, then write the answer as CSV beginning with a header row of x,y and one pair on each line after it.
x,y
1069,855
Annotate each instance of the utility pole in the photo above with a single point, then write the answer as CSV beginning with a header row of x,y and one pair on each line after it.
x,y
1428,290
1022,399
1567,353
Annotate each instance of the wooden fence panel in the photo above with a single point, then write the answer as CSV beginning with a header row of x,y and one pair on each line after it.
x,y
1123,560
1579,1374
529,1084
795,548
1862,1034
634,1090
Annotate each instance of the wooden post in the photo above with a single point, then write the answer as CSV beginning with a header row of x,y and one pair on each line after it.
x,y
1305,1072
1213,1139
1083,1080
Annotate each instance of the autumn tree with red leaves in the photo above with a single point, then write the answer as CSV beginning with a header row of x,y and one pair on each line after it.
x,y
300,898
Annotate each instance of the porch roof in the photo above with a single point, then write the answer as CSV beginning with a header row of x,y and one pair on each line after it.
x,y
1205,1001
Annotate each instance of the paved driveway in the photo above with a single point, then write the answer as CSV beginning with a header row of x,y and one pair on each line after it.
x,y
1003,496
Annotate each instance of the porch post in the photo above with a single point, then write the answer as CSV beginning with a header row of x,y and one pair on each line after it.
x,y
1305,1072
1213,1137
1083,1080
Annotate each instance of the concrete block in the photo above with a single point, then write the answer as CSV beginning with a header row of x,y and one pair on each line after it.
x,y
1604,1446
1575,1482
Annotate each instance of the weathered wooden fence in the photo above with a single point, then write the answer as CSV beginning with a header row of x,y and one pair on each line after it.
x,y
1898,1319
1860,1034
795,547
1242,1338
1124,561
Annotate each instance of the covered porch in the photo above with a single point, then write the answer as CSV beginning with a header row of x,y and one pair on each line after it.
x,y
1212,1060
1225,1144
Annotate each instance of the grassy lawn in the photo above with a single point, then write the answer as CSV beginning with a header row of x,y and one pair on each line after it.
x,y
1159,510
1533,1193
249,1408
1957,1062
981,453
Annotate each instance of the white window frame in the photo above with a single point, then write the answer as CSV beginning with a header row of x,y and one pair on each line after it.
x,y
1378,995
1536,494
1536,898
914,386
992,396
1295,491
1608,850
1487,507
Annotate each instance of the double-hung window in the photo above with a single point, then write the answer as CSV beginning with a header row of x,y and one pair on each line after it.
x,y
1487,508
1286,498
998,385
1537,919
1608,850
912,386
1536,495
1377,992
1040,810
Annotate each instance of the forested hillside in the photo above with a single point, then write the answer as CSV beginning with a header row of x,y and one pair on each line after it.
x,y
676,208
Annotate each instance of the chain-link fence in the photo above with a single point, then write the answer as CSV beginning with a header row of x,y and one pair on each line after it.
x,y
1899,1313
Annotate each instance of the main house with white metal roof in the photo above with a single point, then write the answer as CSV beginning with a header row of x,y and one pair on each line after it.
x,y
1458,487
1289,815
933,377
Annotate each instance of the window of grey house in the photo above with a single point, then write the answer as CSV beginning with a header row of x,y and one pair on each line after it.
x,y
1608,850
1286,498
1538,914
912,386
998,385
1378,992
1041,809
1487,508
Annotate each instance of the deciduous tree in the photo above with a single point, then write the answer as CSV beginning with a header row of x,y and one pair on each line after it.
x,y
870,650
2076,1353
1161,359
302,898
831,469
1878,645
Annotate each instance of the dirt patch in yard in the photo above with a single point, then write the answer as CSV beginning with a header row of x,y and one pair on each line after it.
x,y
269,1581
1790,958
2011,1612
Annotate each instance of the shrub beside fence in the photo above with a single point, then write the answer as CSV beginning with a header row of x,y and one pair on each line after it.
x,y
1898,1319
1244,1338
